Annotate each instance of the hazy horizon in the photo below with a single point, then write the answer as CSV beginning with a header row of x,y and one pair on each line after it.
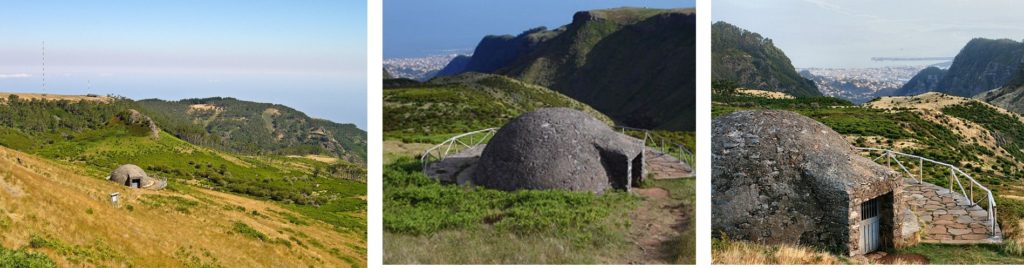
x,y
423,28
815,33
308,55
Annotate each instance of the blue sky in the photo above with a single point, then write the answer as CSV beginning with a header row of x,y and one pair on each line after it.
x,y
414,28
820,33
310,55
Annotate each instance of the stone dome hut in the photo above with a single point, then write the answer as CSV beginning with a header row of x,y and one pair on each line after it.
x,y
134,177
782,178
559,148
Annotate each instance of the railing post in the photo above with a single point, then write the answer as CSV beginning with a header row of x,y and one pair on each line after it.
x,y
920,166
888,159
991,220
951,179
972,194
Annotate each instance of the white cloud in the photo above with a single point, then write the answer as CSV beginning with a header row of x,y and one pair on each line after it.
x,y
19,75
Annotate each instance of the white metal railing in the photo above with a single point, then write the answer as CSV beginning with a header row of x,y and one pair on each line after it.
x,y
456,144
653,140
893,156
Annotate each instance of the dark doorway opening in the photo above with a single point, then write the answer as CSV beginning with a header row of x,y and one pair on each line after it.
x,y
637,172
616,165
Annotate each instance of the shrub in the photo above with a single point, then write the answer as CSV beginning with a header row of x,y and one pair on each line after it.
x,y
246,230
24,259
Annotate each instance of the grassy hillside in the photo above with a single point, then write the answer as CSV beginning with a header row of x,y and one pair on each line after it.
x,y
429,222
255,128
753,61
51,214
431,112
426,222
981,139
93,138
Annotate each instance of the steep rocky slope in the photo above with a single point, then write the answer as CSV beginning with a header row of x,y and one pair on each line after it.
x,y
636,65
925,81
982,65
750,60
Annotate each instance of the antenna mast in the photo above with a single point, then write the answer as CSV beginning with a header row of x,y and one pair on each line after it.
x,y
44,66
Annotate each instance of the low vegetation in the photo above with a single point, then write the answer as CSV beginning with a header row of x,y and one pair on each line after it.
x,y
429,222
22,258
85,140
95,135
246,230
725,251
415,204
432,112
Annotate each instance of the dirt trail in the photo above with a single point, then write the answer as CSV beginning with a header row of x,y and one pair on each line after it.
x,y
656,226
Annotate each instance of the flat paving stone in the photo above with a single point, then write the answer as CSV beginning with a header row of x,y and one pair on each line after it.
x,y
665,166
948,216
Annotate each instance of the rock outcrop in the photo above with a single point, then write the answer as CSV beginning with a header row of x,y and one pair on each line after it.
x,y
559,148
136,119
781,178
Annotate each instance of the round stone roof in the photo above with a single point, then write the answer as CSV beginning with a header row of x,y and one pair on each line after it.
x,y
556,148
781,177
124,172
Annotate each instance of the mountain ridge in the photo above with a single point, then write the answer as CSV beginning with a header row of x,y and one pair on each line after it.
x,y
750,60
624,62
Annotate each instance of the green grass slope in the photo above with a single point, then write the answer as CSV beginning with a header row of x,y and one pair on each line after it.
x,y
431,112
94,136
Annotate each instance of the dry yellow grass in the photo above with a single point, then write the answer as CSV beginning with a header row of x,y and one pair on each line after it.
x,y
320,158
45,199
764,93
929,101
929,106
739,252
202,107
53,97
394,149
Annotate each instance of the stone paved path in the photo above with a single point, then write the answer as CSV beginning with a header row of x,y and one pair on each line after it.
x,y
948,217
665,166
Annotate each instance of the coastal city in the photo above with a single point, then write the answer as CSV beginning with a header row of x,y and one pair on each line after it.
x,y
860,85
418,68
